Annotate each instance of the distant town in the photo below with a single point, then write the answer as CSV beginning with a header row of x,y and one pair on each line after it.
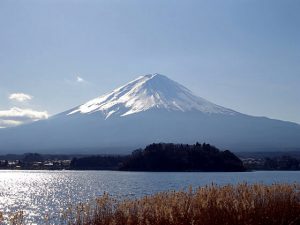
x,y
34,161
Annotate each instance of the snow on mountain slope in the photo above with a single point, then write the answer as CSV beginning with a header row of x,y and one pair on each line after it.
x,y
150,109
148,92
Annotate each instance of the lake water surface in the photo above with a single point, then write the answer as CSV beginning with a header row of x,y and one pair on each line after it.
x,y
40,193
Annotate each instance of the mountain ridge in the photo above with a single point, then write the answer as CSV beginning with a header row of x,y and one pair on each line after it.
x,y
146,111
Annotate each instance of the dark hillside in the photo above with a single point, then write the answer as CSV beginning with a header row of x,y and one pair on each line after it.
x,y
179,157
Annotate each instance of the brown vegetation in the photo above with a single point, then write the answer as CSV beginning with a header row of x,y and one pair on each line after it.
x,y
244,204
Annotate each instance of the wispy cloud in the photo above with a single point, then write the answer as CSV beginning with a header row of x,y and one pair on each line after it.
x,y
17,116
20,97
9,123
80,79
77,80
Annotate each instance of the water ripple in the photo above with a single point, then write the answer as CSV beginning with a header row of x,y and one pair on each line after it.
x,y
47,193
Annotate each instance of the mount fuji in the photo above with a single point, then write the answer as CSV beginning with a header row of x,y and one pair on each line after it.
x,y
152,91
152,108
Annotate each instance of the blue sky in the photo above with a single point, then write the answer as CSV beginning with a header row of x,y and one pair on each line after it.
x,y
241,54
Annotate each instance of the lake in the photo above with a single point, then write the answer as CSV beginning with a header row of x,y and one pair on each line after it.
x,y
40,193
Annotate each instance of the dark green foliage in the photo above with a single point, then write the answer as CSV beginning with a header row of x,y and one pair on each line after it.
x,y
282,163
179,157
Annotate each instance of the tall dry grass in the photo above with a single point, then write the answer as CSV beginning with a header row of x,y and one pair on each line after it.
x,y
244,204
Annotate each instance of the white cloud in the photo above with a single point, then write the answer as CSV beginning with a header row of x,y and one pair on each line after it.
x,y
80,79
17,116
9,123
77,80
20,97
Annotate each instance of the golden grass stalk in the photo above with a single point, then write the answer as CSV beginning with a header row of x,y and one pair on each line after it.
x,y
243,204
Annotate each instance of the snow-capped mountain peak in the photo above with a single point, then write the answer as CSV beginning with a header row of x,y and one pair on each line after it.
x,y
149,92
149,109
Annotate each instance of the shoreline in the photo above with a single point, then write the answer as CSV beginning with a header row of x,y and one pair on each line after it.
x,y
87,170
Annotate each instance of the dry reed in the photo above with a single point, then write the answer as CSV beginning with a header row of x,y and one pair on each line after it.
x,y
243,204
